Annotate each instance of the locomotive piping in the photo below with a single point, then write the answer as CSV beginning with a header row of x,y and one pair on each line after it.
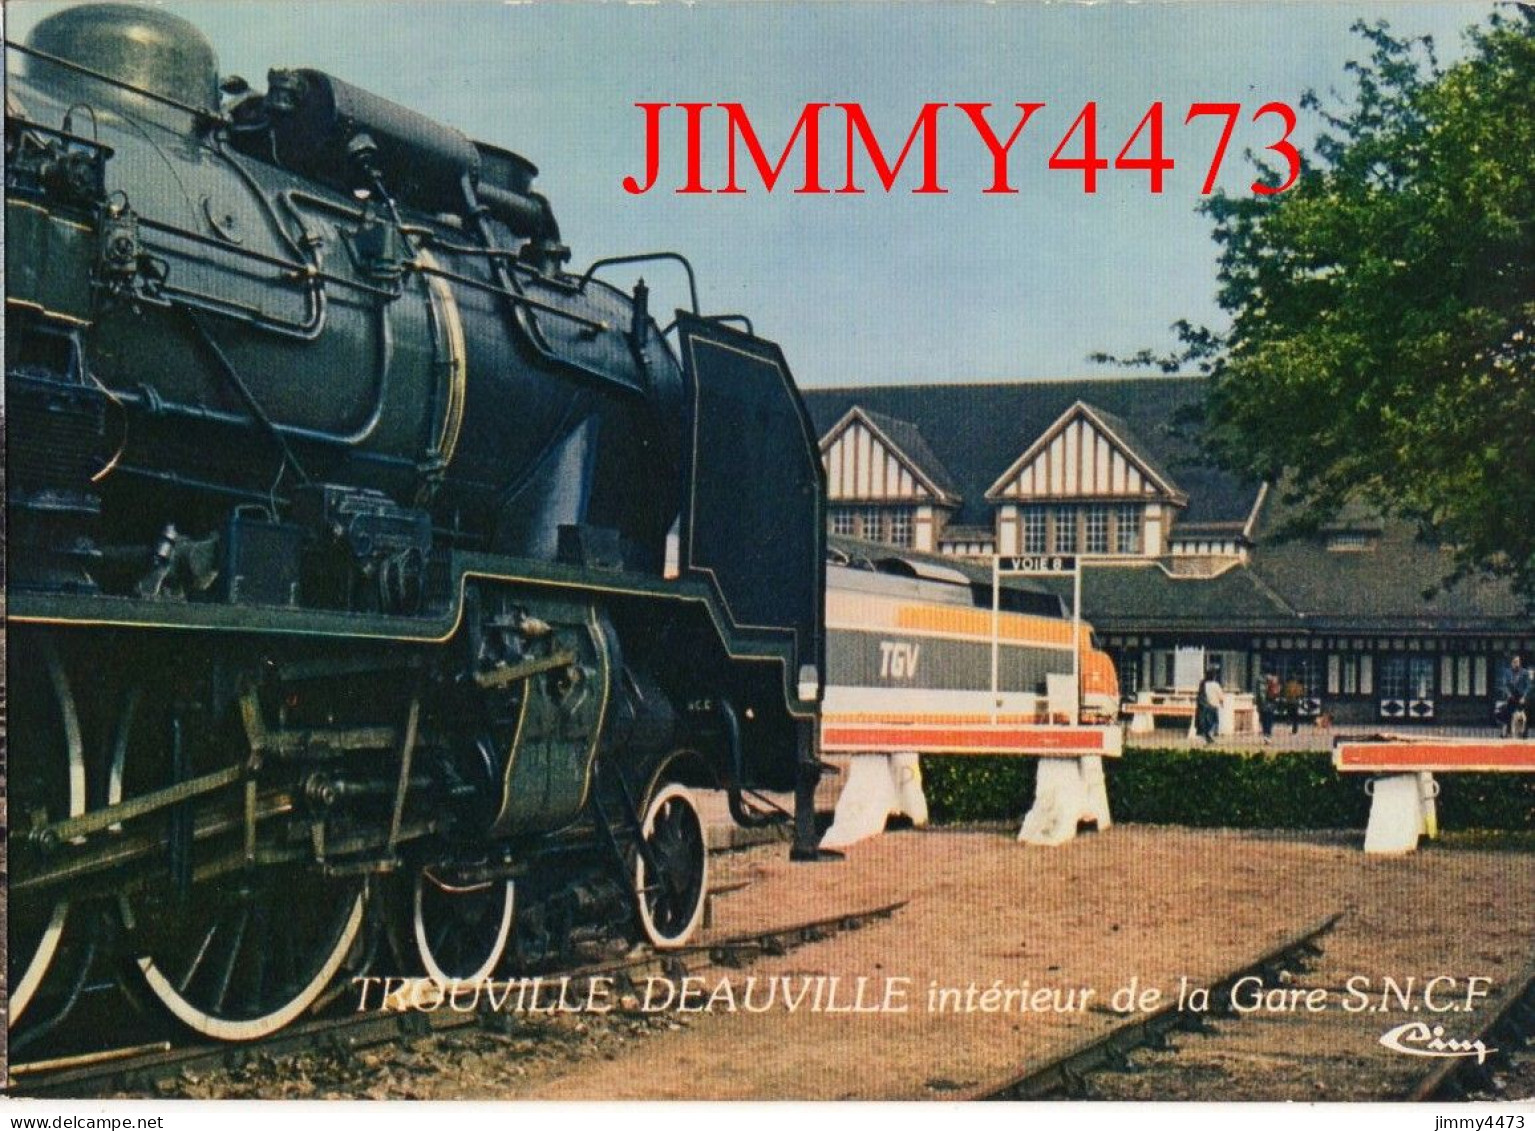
x,y
522,307
307,331
356,438
234,378
517,298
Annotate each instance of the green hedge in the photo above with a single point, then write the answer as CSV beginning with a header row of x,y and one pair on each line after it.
x,y
1222,790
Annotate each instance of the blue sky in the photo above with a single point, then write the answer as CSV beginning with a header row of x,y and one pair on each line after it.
x,y
877,287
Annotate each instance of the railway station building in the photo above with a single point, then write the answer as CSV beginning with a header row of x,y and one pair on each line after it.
x,y
1176,554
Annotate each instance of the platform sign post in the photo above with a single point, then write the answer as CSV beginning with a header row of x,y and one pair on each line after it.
x,y
1036,565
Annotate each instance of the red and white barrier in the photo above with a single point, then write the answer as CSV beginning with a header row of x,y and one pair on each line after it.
x,y
1403,798
884,778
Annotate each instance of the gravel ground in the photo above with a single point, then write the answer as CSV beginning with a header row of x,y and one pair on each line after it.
x,y
1151,905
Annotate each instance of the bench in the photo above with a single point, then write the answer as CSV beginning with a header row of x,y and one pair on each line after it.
x,y
885,779
1402,796
1238,710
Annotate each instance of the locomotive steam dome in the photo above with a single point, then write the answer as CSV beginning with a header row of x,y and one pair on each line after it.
x,y
143,47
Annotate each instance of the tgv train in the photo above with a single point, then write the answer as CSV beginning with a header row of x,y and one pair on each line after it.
x,y
912,638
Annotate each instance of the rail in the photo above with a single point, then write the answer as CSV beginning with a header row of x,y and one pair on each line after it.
x,y
1065,1076
139,1067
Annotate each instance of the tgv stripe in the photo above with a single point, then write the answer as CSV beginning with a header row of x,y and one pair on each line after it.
x,y
979,739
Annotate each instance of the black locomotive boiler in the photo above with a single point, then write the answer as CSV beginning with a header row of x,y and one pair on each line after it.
x,y
369,571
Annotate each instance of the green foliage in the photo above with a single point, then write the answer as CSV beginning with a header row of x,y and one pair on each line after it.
x,y
1201,788
977,788
1382,339
1248,791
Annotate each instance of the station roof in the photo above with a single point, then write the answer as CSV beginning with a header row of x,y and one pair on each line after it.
x,y
975,432
1388,581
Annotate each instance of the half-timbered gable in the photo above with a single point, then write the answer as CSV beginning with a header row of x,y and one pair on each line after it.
x,y
883,482
1085,486
1082,456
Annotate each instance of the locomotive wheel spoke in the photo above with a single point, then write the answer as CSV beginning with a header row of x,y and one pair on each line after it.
x,y
47,775
671,901
242,959
461,931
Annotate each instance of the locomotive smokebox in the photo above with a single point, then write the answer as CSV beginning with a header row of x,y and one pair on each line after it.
x,y
140,46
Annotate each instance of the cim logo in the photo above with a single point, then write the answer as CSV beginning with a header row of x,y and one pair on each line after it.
x,y
898,659
1417,1039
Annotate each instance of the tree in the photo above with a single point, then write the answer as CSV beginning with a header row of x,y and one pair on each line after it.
x,y
1382,338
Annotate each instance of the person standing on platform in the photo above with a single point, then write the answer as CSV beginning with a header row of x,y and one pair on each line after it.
x,y
1294,692
1268,704
1207,707
1514,698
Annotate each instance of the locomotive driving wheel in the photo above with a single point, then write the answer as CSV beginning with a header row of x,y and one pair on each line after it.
x,y
46,782
670,897
461,929
249,953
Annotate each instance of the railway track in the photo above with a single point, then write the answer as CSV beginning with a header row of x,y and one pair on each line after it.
x,y
1509,1028
1065,1077
136,1069
1506,1024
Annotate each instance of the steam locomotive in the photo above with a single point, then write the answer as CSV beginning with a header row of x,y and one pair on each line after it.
x,y
338,512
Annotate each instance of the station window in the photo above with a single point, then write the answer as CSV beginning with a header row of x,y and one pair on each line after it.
x,y
1348,674
1127,530
1095,529
1300,668
1465,676
900,527
1033,530
842,522
1407,677
1065,530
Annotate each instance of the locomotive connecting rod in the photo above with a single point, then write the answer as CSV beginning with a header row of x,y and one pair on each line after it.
x,y
49,835
505,677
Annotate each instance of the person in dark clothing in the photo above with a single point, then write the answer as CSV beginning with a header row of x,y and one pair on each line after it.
x,y
1513,698
1294,692
1267,700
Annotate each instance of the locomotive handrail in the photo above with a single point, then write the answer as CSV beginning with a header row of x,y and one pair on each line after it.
x,y
593,324
644,257
722,319
312,279
212,117
103,151
497,254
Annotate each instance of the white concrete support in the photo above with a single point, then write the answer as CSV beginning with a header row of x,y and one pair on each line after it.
x,y
1061,696
878,787
1142,722
1397,813
1067,792
1238,713
906,770
1428,793
1095,792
